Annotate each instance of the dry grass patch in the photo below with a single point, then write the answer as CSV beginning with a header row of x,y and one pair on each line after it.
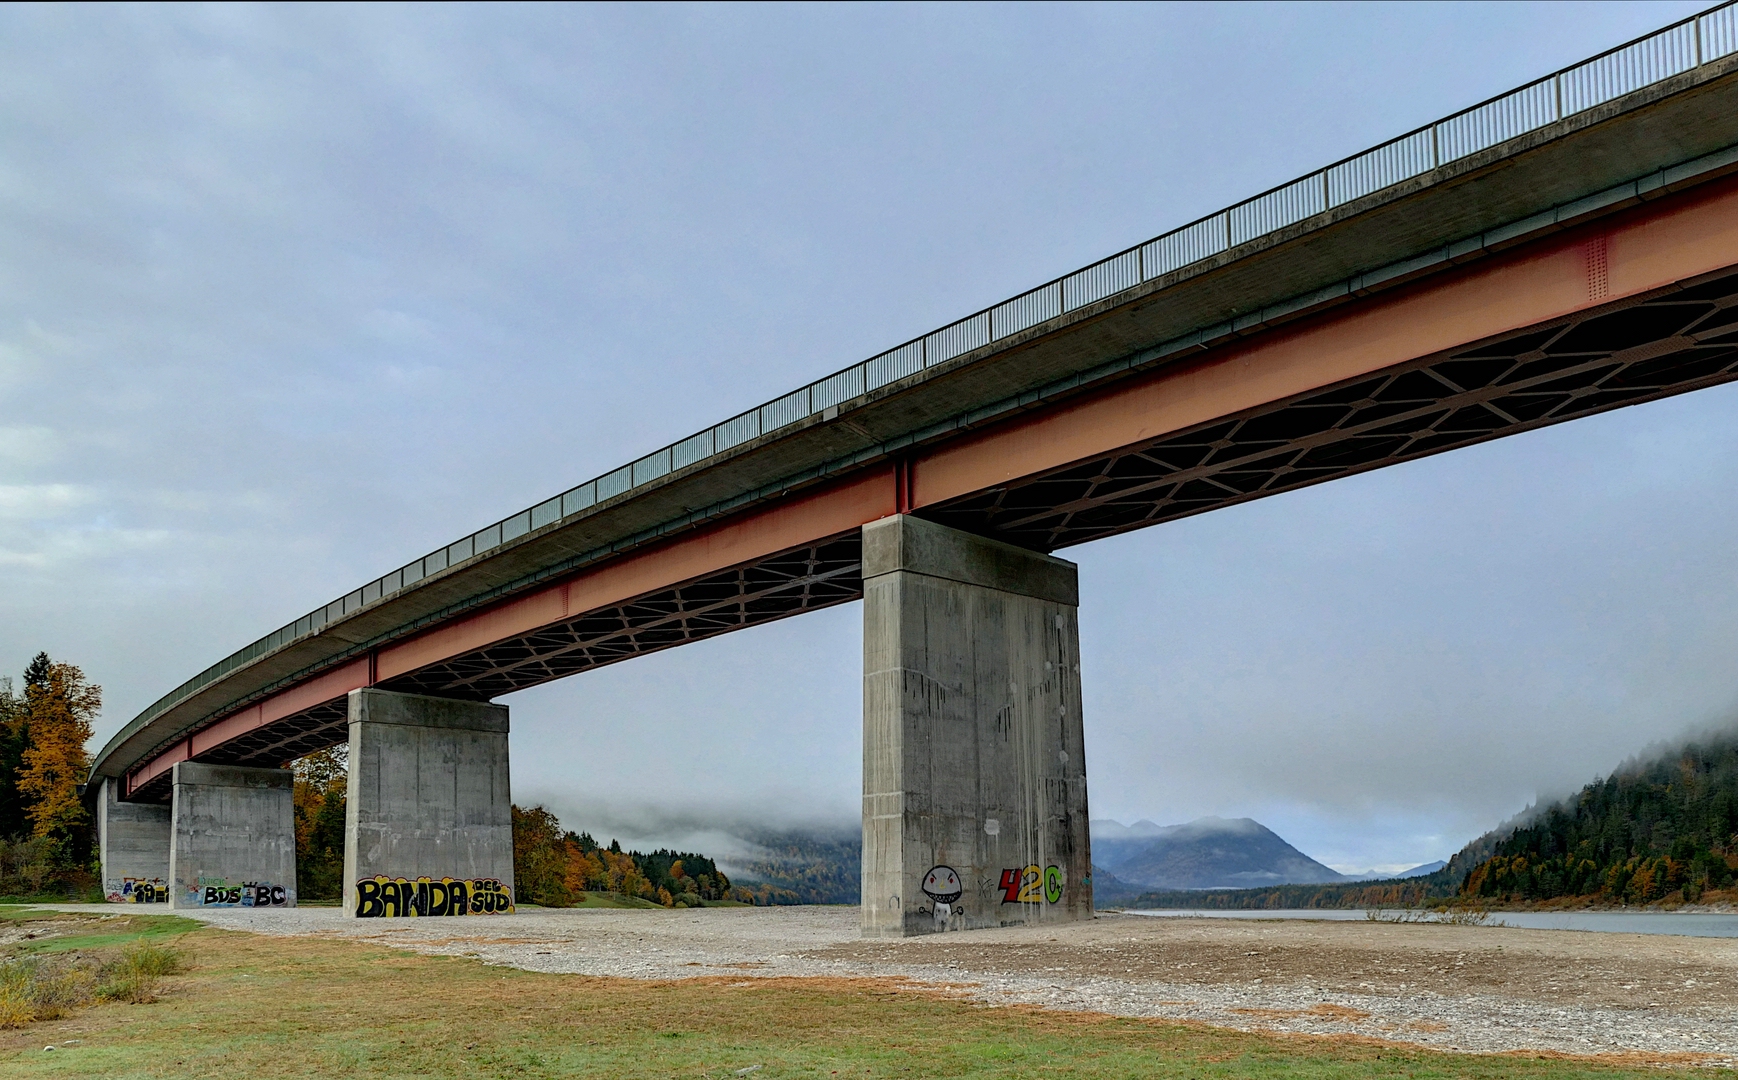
x,y
323,1007
48,987
1323,1011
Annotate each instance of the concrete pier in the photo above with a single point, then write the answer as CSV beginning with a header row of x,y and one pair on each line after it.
x,y
974,772
133,845
429,829
232,837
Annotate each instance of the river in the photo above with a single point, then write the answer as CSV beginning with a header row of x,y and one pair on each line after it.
x,y
1681,923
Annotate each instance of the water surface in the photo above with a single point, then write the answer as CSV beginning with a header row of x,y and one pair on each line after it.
x,y
1684,924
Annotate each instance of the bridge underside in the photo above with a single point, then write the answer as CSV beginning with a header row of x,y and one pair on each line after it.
x,y
806,579
1678,340
1600,360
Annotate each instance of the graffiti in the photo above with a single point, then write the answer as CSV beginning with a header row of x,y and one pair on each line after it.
x,y
1031,885
137,891
942,885
217,892
384,897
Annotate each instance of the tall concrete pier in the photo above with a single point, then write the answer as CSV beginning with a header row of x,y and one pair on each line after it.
x,y
133,843
429,826
974,773
232,837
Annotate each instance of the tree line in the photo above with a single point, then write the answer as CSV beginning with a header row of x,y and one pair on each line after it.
x,y
1659,830
1398,893
46,832
552,866
556,867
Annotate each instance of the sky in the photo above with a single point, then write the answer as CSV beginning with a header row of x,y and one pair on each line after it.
x,y
290,295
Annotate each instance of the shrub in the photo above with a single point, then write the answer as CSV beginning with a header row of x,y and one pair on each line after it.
x,y
47,988
39,988
133,978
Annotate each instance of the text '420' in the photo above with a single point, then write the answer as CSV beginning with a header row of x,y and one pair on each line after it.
x,y
1030,885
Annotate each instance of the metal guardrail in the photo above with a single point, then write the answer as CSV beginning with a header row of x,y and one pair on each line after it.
x,y
1674,50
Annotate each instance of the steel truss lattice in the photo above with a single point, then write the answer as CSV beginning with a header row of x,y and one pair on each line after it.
x,y
811,577
1680,340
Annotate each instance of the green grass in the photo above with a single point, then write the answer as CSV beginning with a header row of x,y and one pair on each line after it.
x,y
611,900
119,926
159,928
322,1007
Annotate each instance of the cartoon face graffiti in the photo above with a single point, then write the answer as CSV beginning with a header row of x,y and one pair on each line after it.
x,y
942,884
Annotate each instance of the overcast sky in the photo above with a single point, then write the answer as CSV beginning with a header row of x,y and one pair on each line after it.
x,y
291,295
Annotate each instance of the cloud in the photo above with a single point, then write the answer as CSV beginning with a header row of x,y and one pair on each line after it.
x,y
32,502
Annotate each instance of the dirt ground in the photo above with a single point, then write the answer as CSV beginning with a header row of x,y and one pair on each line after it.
x,y
1627,971
1474,988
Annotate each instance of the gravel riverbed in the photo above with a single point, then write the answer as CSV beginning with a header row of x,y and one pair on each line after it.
x,y
1472,988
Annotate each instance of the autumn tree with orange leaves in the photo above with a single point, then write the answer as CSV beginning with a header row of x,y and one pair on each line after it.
x,y
59,705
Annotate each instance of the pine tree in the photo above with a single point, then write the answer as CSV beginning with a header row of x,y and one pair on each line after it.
x,y
14,740
14,737
60,705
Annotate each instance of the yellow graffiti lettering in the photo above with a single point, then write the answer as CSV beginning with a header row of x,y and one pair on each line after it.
x,y
382,897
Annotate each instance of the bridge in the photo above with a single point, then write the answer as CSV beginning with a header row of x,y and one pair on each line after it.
x,y
1563,249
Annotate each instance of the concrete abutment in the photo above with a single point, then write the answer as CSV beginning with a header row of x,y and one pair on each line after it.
x,y
429,826
974,770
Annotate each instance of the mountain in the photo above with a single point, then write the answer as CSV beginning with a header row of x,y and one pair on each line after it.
x,y
799,867
1423,869
1208,853
1110,891
1420,870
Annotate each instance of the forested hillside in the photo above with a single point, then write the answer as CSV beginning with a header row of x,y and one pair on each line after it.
x,y
1660,829
1400,893
803,868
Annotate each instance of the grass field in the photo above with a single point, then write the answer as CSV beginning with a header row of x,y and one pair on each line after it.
x,y
252,1005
